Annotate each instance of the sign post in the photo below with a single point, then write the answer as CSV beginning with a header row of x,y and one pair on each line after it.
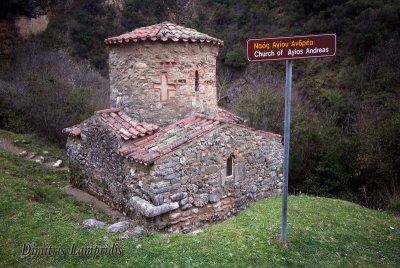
x,y
286,135
289,48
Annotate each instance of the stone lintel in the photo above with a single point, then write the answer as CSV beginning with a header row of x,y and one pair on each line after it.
x,y
149,210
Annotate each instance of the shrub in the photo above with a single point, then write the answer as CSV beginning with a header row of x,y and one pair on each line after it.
x,y
263,110
236,58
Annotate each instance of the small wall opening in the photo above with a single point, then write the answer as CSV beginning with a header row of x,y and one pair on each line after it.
x,y
196,81
229,166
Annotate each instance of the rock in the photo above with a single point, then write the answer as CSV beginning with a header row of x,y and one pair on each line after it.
x,y
149,210
253,188
251,172
164,172
178,196
174,216
83,137
45,152
92,224
195,232
172,176
182,160
200,200
187,206
215,198
186,229
240,171
25,142
186,213
57,164
183,202
40,160
212,169
157,199
141,65
160,187
22,154
137,231
118,227
32,155
195,210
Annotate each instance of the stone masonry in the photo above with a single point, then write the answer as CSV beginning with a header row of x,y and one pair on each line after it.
x,y
176,161
163,82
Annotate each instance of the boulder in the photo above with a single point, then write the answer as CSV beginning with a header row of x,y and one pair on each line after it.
x,y
137,231
92,224
39,159
23,154
118,227
57,164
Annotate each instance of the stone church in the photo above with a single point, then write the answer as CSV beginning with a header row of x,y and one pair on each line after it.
x,y
165,152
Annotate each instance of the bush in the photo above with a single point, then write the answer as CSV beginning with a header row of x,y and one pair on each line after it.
x,y
236,58
263,110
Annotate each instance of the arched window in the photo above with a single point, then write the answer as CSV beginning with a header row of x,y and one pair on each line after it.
x,y
229,166
196,81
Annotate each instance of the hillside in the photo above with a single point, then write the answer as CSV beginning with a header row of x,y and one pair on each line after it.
x,y
322,232
346,109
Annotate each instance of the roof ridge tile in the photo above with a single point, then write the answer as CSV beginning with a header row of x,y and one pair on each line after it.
x,y
164,32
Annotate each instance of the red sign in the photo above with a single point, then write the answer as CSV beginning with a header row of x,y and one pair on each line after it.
x,y
293,47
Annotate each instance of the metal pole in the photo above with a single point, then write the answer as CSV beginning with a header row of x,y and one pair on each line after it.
x,y
288,97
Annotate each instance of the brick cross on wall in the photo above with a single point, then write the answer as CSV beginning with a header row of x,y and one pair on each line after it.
x,y
164,87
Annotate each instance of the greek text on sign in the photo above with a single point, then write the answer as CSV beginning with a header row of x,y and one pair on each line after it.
x,y
293,47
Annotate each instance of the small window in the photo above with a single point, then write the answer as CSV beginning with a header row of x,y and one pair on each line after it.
x,y
229,166
196,81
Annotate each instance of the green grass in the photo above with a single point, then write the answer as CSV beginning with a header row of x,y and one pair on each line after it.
x,y
322,232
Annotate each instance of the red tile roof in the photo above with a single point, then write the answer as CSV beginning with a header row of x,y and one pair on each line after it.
x,y
164,31
126,127
73,131
156,144
230,117
168,139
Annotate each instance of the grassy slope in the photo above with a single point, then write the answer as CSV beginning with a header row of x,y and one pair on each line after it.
x,y
36,144
323,232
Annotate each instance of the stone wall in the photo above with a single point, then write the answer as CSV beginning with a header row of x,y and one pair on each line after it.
x,y
156,81
194,176
185,189
95,165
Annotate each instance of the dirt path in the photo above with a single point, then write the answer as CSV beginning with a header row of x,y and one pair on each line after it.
x,y
94,202
7,144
